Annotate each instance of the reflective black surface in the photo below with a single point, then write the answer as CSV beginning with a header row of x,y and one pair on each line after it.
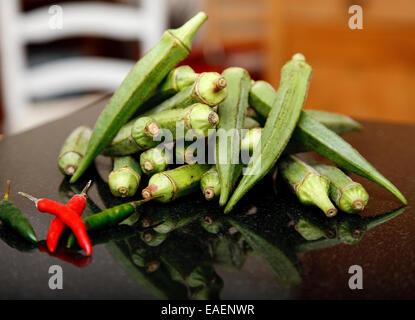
x,y
254,253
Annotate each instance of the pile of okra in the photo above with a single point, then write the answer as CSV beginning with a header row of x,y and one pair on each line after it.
x,y
219,134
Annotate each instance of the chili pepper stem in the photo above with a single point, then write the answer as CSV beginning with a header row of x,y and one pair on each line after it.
x,y
6,195
30,197
85,189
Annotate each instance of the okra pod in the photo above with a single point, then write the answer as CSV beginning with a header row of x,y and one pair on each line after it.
x,y
209,88
211,223
175,81
210,182
155,160
232,112
349,196
262,95
11,216
153,238
169,185
73,150
251,123
310,187
185,153
280,124
327,143
137,87
251,138
140,134
125,177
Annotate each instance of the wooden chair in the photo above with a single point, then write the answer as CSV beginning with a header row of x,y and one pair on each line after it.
x,y
145,23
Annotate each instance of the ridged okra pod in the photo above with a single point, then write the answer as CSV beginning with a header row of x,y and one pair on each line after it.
x,y
262,95
139,84
185,152
349,196
169,185
125,177
327,143
73,150
209,88
145,132
310,187
251,123
175,81
232,112
280,124
210,182
155,160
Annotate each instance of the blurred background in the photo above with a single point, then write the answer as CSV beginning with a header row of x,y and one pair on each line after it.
x,y
57,57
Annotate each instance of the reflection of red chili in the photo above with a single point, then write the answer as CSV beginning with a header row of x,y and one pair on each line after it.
x,y
66,255
69,218
77,204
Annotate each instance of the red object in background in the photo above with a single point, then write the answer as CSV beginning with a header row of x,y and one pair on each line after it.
x,y
66,255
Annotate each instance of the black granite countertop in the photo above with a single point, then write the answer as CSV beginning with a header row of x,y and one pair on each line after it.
x,y
258,255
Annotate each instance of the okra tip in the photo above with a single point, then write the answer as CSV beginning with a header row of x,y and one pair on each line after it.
x,y
209,193
220,84
152,129
148,165
186,32
213,118
70,169
331,212
298,57
358,205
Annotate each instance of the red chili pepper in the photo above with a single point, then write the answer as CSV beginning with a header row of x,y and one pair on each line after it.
x,y
69,217
77,204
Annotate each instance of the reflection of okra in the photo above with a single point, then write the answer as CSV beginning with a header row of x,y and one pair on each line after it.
x,y
205,283
209,88
73,150
125,177
228,252
169,185
141,133
152,238
211,223
348,195
310,187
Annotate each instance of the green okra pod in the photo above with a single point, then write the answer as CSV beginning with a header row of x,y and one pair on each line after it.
x,y
210,182
11,216
145,132
327,143
209,88
280,125
125,177
251,123
175,81
73,150
262,95
169,185
185,153
232,112
137,87
349,196
310,187
211,223
155,160
251,139
153,238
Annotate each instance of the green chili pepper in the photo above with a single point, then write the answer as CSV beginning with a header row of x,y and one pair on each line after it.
x,y
348,195
327,143
155,160
73,150
209,88
172,184
11,216
136,88
125,177
108,217
232,112
140,134
14,240
280,124
310,187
